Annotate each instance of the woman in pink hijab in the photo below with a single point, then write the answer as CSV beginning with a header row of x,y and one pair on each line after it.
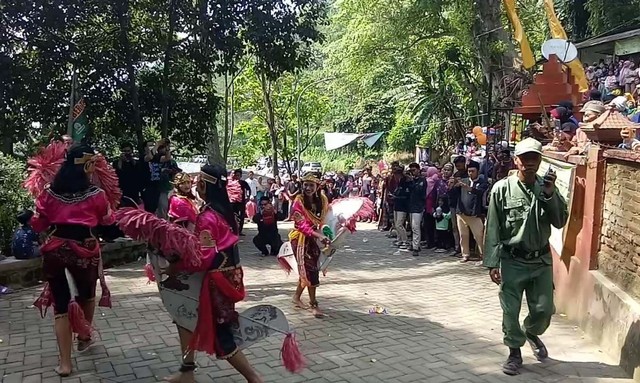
x,y
435,188
622,76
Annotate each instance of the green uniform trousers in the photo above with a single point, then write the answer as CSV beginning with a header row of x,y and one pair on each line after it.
x,y
536,281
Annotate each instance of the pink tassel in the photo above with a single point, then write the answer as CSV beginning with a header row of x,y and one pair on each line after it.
x,y
44,301
105,298
148,271
292,358
79,323
284,265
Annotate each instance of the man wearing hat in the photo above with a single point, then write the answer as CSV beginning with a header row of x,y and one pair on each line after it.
x,y
590,112
522,209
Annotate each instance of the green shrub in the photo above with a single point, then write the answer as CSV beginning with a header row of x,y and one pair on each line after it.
x,y
13,198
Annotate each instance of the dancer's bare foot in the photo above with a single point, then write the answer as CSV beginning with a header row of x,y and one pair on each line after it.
x,y
63,371
298,303
181,377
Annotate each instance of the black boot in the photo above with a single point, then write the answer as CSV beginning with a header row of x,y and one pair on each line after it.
x,y
538,348
513,363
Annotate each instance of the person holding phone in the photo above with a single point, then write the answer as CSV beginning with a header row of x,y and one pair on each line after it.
x,y
522,209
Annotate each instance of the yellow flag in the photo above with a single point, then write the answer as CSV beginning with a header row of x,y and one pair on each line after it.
x,y
528,61
558,32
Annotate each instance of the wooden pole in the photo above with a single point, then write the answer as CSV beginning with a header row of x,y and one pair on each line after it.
x,y
72,101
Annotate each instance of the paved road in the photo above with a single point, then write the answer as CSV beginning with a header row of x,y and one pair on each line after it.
x,y
443,325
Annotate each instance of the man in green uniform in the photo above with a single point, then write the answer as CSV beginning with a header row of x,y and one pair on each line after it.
x,y
522,208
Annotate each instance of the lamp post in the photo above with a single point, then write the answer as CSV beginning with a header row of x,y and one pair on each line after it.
x,y
299,130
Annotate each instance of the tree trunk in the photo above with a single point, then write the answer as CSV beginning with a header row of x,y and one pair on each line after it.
x,y
488,29
232,116
271,120
166,71
286,155
214,154
7,138
225,141
213,148
122,13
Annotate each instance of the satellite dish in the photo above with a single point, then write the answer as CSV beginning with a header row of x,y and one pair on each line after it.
x,y
563,49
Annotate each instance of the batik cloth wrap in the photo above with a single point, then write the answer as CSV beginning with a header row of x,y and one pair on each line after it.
x,y
303,242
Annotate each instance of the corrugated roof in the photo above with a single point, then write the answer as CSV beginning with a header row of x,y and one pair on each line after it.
x,y
606,39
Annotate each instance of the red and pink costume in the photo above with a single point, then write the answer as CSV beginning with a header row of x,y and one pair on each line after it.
x,y
222,287
70,221
182,210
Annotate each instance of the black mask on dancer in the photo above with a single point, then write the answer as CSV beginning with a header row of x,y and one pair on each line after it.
x,y
72,176
212,187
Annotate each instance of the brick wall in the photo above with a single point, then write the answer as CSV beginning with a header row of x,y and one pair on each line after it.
x,y
619,254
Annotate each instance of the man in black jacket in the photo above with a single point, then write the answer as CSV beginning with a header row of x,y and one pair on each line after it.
x,y
471,209
401,206
453,184
417,204
267,229
130,176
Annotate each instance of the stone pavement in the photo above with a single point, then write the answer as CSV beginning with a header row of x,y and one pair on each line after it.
x,y
443,325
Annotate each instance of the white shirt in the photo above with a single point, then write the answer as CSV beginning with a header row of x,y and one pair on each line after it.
x,y
253,185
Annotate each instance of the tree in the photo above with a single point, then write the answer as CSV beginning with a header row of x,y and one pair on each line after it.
x,y
282,94
280,42
605,16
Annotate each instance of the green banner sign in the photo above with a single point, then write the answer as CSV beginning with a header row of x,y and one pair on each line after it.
x,y
80,124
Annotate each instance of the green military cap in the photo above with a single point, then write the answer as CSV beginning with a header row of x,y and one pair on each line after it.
x,y
528,145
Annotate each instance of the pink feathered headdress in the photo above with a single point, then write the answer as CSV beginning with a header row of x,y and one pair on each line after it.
x,y
44,166
104,176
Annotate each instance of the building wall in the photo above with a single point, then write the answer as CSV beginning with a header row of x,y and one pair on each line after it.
x,y
588,297
619,252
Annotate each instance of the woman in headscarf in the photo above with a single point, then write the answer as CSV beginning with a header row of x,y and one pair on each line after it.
x,y
631,78
69,211
622,75
610,82
567,125
436,187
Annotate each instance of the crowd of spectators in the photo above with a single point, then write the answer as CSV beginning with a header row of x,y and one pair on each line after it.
x,y
442,207
614,78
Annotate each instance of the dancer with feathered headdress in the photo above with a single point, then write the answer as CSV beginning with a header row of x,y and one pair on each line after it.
x,y
319,229
69,208
200,281
183,205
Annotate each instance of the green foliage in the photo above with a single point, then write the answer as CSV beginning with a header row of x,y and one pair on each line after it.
x,y
416,58
404,134
252,138
13,198
341,159
606,15
141,64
